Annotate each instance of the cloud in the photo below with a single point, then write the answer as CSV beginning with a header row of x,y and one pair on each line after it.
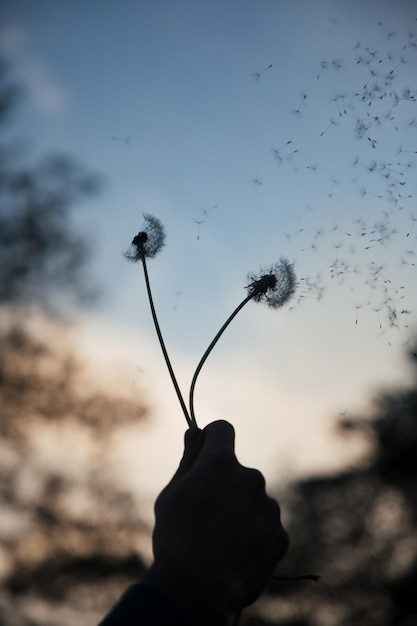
x,y
279,430
45,92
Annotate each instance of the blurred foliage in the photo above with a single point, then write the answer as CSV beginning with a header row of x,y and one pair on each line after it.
x,y
42,260
357,529
69,530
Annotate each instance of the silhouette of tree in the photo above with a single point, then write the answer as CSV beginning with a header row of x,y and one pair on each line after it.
x,y
42,260
69,531
357,529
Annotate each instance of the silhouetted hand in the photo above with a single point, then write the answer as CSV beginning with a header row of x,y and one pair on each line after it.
x,y
217,535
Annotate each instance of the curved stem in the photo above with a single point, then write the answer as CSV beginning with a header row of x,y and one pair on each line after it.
x,y
190,422
210,348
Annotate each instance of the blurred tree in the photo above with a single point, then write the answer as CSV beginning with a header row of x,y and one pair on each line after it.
x,y
357,529
42,260
69,532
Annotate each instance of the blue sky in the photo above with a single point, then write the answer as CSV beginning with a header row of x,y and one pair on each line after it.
x,y
284,128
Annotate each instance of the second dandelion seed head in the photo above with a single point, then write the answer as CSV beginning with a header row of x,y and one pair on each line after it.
x,y
149,241
275,285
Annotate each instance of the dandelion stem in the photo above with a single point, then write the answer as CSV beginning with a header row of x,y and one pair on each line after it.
x,y
210,348
190,422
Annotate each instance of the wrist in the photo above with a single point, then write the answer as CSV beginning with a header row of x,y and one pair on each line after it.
x,y
207,600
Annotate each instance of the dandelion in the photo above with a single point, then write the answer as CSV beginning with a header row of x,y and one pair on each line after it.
x,y
275,286
147,243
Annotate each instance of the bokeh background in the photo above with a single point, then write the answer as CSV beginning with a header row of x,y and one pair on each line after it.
x,y
252,130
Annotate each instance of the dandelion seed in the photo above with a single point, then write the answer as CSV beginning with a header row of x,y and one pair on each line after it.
x,y
177,295
390,33
323,66
297,111
336,227
387,58
405,262
377,311
408,165
205,212
364,192
334,183
414,220
204,215
373,74
402,61
283,157
331,123
412,122
409,94
357,307
125,140
258,75
336,99
199,222
390,118
401,151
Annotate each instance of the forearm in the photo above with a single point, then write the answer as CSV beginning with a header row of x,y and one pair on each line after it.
x,y
145,604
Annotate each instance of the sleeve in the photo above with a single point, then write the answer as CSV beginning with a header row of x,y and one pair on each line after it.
x,y
145,605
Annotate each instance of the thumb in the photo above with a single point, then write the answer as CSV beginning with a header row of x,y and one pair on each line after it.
x,y
193,442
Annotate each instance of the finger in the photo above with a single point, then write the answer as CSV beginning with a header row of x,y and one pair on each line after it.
x,y
219,436
193,442
257,479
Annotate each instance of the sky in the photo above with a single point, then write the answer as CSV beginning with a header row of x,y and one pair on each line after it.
x,y
252,130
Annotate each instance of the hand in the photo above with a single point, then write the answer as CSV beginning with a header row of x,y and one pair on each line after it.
x,y
217,535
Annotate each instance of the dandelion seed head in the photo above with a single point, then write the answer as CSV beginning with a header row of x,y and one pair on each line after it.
x,y
149,241
274,285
